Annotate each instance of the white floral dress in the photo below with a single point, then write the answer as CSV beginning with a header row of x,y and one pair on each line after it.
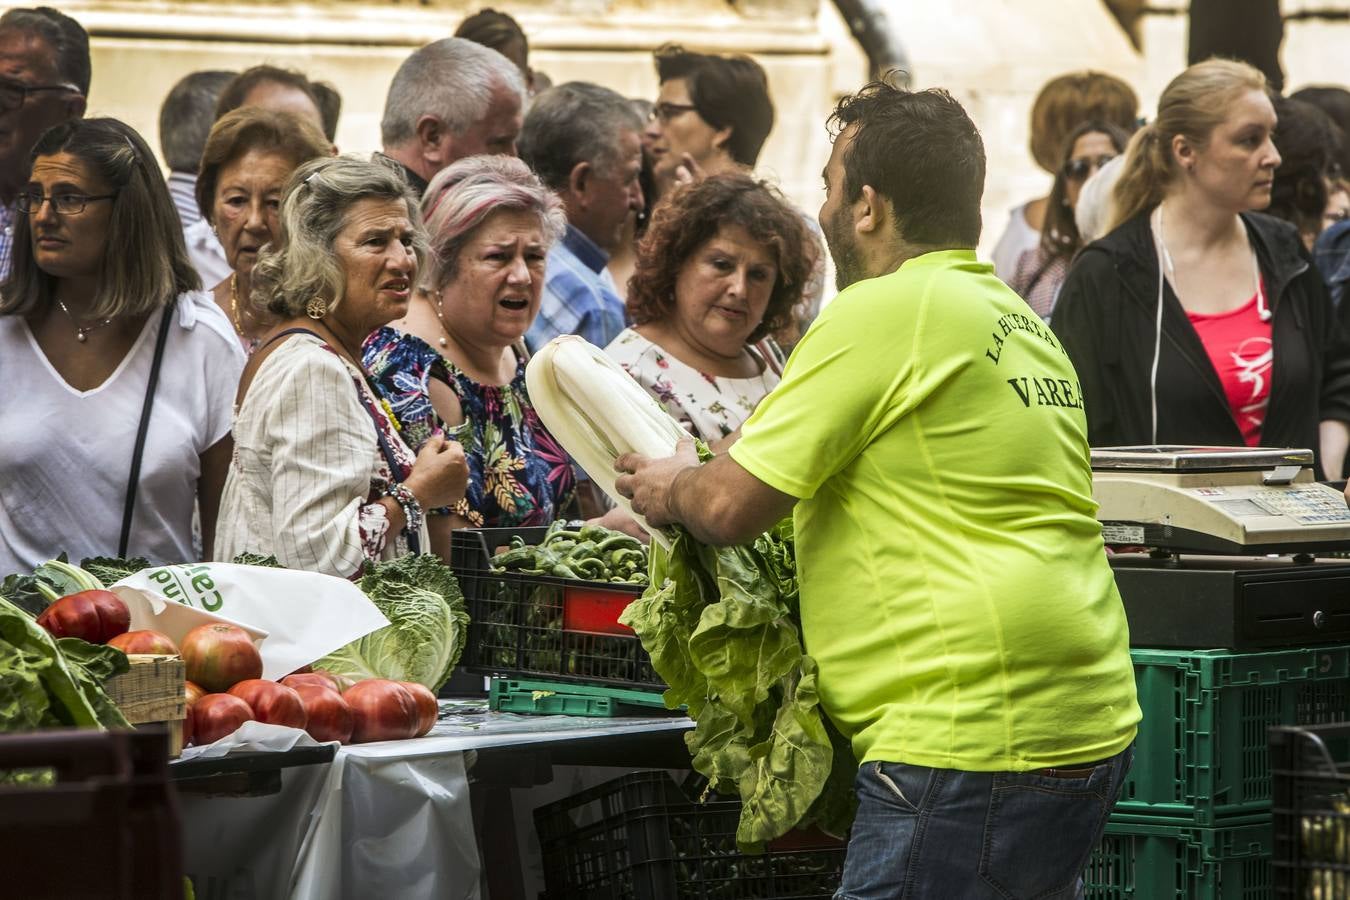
x,y
708,406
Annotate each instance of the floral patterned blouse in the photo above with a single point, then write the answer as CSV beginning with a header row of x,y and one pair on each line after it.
x,y
708,406
518,473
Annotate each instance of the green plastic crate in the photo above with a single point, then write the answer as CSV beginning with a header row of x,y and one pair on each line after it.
x,y
1201,753
547,698
1173,862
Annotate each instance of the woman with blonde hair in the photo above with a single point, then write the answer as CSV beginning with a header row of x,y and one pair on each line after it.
x,y
1197,320
321,477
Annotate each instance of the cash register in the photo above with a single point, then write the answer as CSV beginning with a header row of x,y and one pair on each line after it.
x,y
1225,547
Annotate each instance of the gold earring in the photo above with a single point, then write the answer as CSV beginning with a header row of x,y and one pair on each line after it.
x,y
316,308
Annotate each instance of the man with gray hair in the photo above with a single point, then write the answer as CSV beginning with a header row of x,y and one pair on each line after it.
x,y
450,99
185,119
585,142
44,80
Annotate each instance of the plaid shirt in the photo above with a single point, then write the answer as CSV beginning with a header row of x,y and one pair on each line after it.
x,y
7,217
579,295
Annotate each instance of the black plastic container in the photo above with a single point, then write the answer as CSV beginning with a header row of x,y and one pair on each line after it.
x,y
1310,768
641,837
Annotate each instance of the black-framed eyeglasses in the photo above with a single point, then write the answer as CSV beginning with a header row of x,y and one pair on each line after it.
x,y
664,111
14,93
1080,168
67,204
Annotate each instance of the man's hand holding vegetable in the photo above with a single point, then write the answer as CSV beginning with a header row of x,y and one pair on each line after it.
x,y
720,503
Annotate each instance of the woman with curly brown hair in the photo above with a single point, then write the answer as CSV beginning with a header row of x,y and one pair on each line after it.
x,y
719,270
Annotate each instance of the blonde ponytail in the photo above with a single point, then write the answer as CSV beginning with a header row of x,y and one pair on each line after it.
x,y
1144,177
1196,102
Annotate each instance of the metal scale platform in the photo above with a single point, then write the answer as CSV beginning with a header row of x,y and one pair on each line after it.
x,y
1232,537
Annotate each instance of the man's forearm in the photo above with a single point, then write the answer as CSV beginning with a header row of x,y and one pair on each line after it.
x,y
706,504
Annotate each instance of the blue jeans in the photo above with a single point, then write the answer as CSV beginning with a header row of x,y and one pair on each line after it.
x,y
943,834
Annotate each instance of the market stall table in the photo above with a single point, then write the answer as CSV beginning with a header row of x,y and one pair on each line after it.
x,y
389,819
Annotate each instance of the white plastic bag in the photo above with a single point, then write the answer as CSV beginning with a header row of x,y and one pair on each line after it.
x,y
301,615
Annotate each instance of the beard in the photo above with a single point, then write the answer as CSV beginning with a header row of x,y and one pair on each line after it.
x,y
848,264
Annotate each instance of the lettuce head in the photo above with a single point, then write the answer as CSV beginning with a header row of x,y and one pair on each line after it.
x,y
427,624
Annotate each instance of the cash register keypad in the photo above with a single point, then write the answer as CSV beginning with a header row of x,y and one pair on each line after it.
x,y
1307,506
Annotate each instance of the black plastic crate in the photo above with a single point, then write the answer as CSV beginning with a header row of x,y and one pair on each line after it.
x,y
641,837
533,626
1310,768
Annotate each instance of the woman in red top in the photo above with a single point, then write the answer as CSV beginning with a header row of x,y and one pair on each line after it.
x,y
1197,320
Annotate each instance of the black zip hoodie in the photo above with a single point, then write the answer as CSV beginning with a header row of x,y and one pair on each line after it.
x,y
1106,318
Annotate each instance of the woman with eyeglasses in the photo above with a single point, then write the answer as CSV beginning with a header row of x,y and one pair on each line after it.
x,y
1040,271
1197,319
117,373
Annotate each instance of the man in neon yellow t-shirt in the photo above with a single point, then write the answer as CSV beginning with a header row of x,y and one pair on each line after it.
x,y
929,438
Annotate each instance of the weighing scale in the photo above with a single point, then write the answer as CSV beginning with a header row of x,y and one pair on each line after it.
x,y
1232,536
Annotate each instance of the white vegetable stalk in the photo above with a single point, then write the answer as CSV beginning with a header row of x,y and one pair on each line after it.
x,y
598,413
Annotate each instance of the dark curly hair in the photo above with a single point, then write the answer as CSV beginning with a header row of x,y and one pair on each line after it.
x,y
692,216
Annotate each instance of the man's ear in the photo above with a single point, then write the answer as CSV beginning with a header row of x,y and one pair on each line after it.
x,y
870,211
579,180
76,105
721,137
431,137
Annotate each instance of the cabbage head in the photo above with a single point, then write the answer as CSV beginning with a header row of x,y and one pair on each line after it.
x,y
427,624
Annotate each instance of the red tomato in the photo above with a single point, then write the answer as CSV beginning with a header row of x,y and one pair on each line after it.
x,y
217,715
382,710
321,679
342,682
94,616
145,641
219,656
330,718
191,694
272,703
427,710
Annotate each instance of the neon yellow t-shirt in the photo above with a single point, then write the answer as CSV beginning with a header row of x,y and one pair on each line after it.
x,y
954,588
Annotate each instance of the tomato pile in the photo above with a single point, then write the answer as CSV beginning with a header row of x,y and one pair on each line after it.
x,y
225,689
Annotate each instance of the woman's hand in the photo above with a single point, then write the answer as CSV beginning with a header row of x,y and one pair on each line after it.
x,y
440,474
618,519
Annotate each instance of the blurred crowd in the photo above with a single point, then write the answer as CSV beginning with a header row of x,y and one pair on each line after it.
x,y
284,350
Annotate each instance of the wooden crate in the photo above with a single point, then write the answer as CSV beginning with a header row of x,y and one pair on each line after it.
x,y
151,693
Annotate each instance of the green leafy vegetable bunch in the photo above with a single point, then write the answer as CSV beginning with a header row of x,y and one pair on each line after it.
x,y
722,629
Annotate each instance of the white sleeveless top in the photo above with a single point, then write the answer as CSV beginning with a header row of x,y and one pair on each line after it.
x,y
65,455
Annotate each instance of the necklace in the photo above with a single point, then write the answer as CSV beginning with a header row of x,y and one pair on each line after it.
x,y
81,331
234,304
436,308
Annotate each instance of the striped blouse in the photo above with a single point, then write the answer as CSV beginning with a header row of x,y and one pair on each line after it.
x,y
308,472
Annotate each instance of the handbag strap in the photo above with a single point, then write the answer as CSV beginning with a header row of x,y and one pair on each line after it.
x,y
147,405
390,459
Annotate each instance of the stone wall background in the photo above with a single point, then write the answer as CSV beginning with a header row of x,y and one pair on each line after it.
x,y
992,54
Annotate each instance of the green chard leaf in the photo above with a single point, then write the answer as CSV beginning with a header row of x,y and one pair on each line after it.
x,y
75,694
722,628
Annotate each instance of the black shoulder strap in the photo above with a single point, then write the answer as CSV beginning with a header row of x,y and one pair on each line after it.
x,y
129,507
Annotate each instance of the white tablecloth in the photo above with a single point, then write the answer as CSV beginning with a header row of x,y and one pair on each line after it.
x,y
389,821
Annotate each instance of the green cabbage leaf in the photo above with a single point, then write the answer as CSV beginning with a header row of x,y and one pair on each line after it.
x,y
427,624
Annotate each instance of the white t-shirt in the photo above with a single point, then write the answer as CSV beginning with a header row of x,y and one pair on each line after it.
x,y
1018,238
65,455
